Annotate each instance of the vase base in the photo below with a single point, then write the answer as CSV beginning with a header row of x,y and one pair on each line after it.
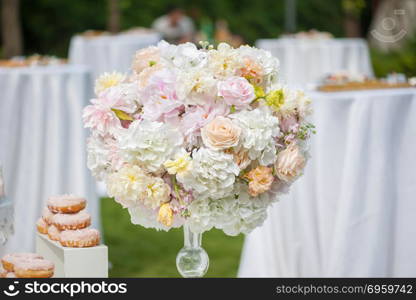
x,y
192,262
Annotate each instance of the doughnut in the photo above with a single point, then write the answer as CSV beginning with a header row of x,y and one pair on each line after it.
x,y
9,260
66,204
42,226
81,238
9,275
47,215
54,233
34,268
78,220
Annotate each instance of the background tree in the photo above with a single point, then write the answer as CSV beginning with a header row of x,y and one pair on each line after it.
x,y
11,29
113,16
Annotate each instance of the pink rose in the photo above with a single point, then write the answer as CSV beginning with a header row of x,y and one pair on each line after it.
x,y
289,163
221,133
236,91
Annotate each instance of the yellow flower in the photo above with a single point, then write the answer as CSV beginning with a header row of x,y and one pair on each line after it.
x,y
275,99
258,91
165,215
180,164
107,80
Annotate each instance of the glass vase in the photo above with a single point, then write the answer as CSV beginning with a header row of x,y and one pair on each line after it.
x,y
192,260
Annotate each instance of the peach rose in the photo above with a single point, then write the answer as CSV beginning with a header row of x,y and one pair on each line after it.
x,y
145,58
221,133
289,163
260,180
251,69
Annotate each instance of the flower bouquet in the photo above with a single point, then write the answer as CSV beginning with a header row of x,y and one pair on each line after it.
x,y
197,137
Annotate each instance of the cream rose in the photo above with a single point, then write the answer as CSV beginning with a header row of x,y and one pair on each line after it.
x,y
289,163
221,133
260,180
145,58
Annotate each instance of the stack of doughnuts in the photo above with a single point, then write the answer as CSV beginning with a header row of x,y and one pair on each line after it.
x,y
65,220
26,265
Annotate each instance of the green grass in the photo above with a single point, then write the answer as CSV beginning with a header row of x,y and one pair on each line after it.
x,y
138,252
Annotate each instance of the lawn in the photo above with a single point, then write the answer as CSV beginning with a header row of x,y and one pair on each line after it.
x,y
138,252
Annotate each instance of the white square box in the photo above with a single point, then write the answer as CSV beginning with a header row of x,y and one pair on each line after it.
x,y
74,262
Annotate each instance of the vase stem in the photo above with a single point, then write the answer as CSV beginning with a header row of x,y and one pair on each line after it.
x,y
191,239
192,260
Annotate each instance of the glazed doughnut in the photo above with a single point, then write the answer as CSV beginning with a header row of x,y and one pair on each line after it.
x,y
86,237
47,215
9,260
42,226
66,204
6,274
54,233
78,220
34,268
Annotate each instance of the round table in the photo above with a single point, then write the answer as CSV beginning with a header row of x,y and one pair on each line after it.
x,y
109,52
43,142
353,213
306,61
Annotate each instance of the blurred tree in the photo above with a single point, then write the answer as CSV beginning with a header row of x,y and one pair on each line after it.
x,y
249,19
352,15
11,30
114,16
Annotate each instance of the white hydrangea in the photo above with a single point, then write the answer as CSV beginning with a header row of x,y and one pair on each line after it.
x,y
102,155
259,127
212,174
141,215
98,157
150,143
237,213
183,56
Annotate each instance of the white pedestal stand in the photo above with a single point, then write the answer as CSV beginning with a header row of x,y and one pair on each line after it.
x,y
74,262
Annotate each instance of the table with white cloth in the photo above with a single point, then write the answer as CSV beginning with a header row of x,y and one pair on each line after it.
x,y
43,143
307,61
353,213
109,53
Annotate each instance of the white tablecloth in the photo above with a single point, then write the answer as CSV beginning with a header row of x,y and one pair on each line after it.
x,y
304,61
108,53
42,142
353,213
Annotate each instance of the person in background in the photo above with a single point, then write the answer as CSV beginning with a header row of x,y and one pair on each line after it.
x,y
175,27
